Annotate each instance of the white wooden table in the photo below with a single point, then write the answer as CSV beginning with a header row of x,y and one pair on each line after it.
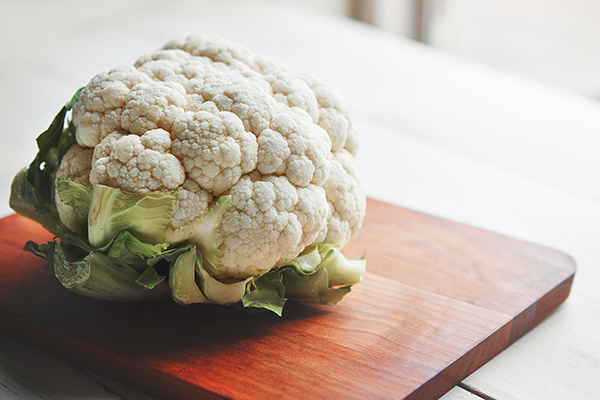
x,y
438,134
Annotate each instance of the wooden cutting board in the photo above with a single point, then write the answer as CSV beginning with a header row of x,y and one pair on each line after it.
x,y
438,301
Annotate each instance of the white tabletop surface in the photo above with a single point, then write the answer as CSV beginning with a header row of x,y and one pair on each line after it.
x,y
438,134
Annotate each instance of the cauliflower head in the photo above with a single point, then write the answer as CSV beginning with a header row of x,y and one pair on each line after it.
x,y
207,118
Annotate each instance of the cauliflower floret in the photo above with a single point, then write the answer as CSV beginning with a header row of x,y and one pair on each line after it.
x,y
207,118
214,148
137,164
334,116
308,145
99,114
192,202
293,92
345,194
151,106
269,220
76,164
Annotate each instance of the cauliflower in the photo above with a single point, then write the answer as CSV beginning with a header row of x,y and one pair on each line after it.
x,y
251,166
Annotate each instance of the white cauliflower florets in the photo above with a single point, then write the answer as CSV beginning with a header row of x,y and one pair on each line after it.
x,y
207,118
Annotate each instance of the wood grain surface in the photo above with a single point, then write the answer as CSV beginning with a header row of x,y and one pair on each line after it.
x,y
438,301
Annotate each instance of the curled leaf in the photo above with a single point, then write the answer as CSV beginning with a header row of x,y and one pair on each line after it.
x,y
321,275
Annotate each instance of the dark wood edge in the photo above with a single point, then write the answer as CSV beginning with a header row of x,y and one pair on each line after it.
x,y
495,343
542,309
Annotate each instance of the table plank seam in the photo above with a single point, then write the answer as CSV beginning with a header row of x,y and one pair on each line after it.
x,y
474,391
